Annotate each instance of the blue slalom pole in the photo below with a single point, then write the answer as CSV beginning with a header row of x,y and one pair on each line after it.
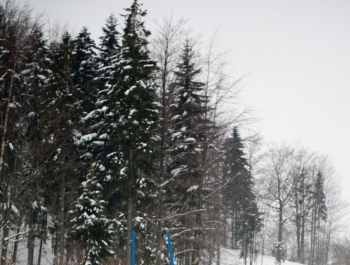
x,y
170,249
133,256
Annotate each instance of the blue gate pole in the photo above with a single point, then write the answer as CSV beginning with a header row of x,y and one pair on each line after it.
x,y
170,250
133,247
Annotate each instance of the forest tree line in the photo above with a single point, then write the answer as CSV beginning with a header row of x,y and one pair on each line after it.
x,y
141,132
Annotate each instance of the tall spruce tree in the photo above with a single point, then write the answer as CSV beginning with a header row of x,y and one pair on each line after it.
x,y
59,118
132,89
238,195
185,148
320,197
319,215
122,125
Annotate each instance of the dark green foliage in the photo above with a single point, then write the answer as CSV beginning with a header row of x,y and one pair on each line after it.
x,y
85,69
58,121
119,143
186,137
133,89
239,188
238,195
90,226
109,48
186,115
320,198
132,92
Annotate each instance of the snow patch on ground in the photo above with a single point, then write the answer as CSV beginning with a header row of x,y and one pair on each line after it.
x,y
230,257
227,256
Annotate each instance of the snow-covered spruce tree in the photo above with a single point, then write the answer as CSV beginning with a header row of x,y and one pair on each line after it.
x,y
90,227
133,93
120,140
184,169
239,200
59,117
85,69
99,150
108,49
98,142
109,46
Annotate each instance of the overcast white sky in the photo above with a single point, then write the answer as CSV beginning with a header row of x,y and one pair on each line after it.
x,y
296,52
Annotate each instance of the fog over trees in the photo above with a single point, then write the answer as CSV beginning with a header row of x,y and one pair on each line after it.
x,y
140,131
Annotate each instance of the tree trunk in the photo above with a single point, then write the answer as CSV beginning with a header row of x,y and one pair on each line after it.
x,y
218,237
61,223
297,224
15,248
5,234
198,233
225,236
40,250
232,232
159,235
30,243
130,211
6,230
279,257
312,241
280,223
5,126
302,241
6,202
42,236
218,257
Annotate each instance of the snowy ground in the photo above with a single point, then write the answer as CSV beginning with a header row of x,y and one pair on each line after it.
x,y
227,257
231,257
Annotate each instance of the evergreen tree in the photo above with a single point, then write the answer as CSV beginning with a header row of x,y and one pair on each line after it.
x,y
35,78
319,215
238,195
185,149
320,198
59,118
120,141
133,92
85,69
109,48
90,226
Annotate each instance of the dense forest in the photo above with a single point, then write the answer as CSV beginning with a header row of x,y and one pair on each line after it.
x,y
142,132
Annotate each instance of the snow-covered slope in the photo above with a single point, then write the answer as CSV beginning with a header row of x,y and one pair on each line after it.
x,y
231,257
